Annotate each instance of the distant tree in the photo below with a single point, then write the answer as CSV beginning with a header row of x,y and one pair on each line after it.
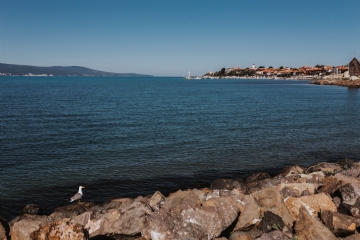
x,y
222,71
262,67
270,67
281,67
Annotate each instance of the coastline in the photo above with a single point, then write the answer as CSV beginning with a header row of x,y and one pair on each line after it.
x,y
337,82
296,203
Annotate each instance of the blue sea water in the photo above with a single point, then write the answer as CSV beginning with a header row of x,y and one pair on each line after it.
x,y
124,137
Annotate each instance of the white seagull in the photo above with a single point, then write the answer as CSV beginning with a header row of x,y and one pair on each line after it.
x,y
77,196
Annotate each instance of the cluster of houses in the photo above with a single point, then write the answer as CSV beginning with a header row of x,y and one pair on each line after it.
x,y
351,71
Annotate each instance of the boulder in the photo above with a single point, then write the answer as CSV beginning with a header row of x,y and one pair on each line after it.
x,y
3,234
314,177
338,223
249,212
266,183
156,200
308,227
4,229
199,222
346,164
270,199
22,227
274,235
355,236
123,216
355,209
296,189
347,194
32,209
292,170
332,183
270,222
313,204
60,230
182,199
228,184
257,177
328,168
249,235
351,173
71,210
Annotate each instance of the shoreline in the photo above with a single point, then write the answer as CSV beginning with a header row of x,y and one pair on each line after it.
x,y
260,206
337,82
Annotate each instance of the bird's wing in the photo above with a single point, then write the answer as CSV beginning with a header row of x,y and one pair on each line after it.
x,y
76,197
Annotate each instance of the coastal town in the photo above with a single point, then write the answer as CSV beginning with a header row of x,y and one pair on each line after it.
x,y
350,71
344,75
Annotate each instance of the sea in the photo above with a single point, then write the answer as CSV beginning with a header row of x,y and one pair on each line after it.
x,y
125,137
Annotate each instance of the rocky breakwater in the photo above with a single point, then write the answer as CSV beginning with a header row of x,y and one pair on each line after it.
x,y
337,82
318,202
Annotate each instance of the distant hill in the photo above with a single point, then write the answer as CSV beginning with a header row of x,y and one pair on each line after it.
x,y
23,70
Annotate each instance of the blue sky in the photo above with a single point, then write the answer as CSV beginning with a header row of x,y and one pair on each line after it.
x,y
170,38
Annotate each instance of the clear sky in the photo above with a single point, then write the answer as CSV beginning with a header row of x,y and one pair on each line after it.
x,y
172,37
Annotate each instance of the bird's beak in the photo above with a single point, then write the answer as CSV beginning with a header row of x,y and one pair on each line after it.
x,y
82,186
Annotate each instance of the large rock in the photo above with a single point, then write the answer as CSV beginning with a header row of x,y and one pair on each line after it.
x,y
200,222
2,233
117,217
32,209
22,227
249,212
4,229
227,184
274,235
270,222
355,236
60,230
270,199
71,210
296,189
313,203
249,235
332,183
347,194
257,177
338,223
310,228
182,199
355,209
292,170
156,200
351,173
325,167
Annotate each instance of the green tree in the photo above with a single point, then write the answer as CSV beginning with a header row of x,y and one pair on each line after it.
x,y
262,67
222,71
281,67
270,67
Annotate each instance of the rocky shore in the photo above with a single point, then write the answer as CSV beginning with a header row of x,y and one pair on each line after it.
x,y
337,82
318,202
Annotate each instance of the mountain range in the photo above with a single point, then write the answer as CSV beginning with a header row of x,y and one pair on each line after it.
x,y
26,70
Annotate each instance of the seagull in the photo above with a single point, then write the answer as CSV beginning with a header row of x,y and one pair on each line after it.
x,y
78,195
